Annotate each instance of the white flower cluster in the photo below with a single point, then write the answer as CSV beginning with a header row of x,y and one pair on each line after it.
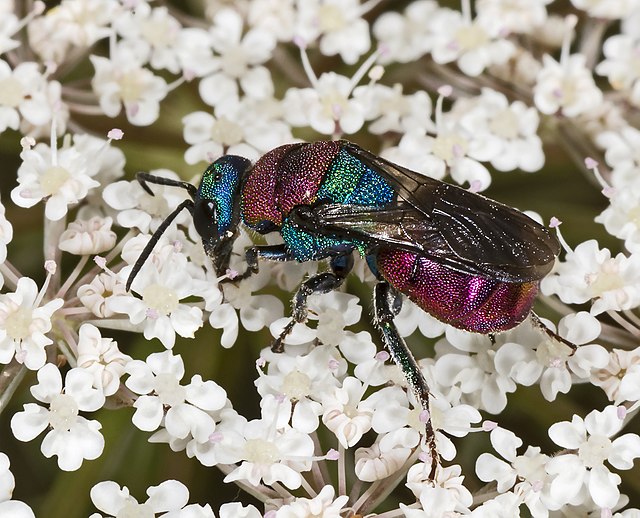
x,y
466,95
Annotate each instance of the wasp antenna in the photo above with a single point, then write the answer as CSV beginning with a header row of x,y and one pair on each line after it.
x,y
552,334
143,178
186,204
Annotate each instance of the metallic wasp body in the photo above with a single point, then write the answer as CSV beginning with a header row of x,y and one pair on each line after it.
x,y
468,261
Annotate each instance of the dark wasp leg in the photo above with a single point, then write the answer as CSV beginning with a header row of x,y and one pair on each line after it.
x,y
386,305
324,282
255,253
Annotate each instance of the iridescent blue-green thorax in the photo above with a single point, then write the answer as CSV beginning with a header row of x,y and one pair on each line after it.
x,y
305,175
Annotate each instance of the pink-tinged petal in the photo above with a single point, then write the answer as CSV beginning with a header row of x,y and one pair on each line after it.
x,y
568,434
624,450
23,201
148,414
30,423
603,486
108,497
168,496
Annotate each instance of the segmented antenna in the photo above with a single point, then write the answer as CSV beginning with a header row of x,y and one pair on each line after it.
x,y
143,178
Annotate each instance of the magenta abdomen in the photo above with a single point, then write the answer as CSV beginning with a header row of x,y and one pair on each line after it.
x,y
473,303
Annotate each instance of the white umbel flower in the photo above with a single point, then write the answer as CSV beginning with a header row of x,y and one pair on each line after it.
x,y
24,324
122,81
71,437
592,440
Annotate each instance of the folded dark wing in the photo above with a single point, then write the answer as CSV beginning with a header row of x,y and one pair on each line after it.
x,y
452,224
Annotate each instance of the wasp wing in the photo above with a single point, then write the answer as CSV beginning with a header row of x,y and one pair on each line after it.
x,y
399,227
499,240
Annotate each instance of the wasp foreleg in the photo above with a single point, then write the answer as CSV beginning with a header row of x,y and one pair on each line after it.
x,y
325,282
386,305
254,254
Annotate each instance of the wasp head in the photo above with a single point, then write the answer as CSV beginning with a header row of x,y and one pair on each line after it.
x,y
216,211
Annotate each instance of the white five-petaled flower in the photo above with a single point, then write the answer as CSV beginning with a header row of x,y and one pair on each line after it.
x,y
245,126
302,377
510,128
239,58
620,378
24,323
408,36
339,26
184,410
454,147
62,177
71,26
346,414
456,37
138,209
271,450
591,273
591,441
622,217
622,64
328,107
160,311
529,355
23,96
123,81
567,87
526,472
159,39
71,437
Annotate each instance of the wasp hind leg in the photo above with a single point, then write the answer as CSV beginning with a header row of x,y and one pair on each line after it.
x,y
324,282
387,303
